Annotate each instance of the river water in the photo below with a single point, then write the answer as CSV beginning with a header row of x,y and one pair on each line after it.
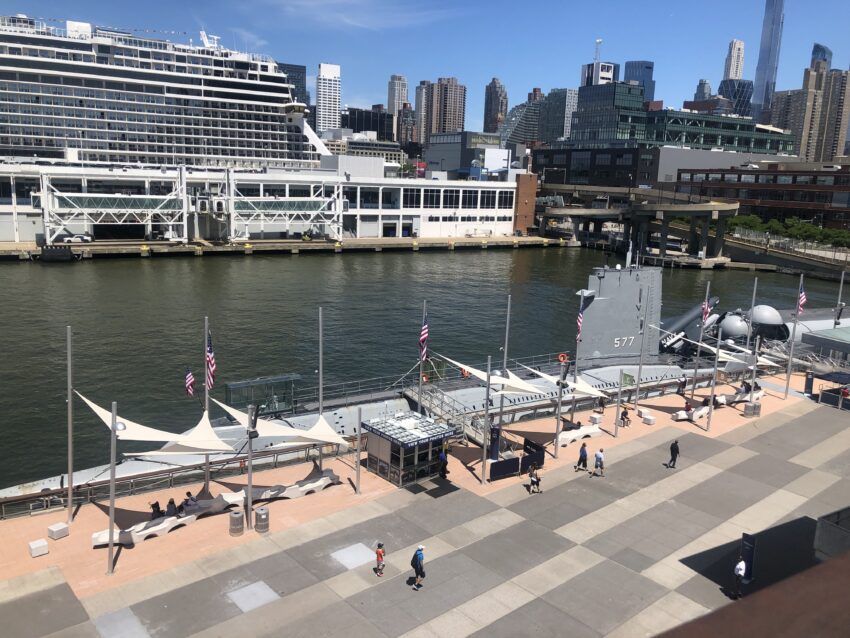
x,y
138,324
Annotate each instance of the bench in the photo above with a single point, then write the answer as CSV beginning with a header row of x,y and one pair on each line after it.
x,y
742,397
584,432
38,547
205,507
693,416
57,531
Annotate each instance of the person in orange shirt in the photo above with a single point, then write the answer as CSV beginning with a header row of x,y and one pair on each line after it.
x,y
379,558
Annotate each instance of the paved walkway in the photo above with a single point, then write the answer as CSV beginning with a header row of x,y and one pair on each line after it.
x,y
632,554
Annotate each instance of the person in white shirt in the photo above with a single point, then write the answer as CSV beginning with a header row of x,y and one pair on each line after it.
x,y
740,570
599,463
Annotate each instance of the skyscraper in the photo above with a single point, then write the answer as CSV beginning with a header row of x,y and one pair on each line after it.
x,y
297,76
771,39
556,114
423,111
703,91
640,71
328,89
406,127
823,53
495,105
816,114
447,106
396,93
734,67
740,92
599,73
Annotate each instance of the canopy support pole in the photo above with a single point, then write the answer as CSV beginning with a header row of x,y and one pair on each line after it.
x,y
485,429
699,347
70,430
206,401
112,446
321,379
714,379
561,377
357,454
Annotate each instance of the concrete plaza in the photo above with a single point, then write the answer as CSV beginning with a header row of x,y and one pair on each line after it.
x,y
635,553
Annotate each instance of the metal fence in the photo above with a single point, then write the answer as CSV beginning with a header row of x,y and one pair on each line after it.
x,y
811,249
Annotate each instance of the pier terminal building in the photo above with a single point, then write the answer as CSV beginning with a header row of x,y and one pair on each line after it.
x,y
121,135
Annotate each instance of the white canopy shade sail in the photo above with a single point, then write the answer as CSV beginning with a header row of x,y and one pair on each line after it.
x,y
579,387
512,384
202,438
320,432
264,426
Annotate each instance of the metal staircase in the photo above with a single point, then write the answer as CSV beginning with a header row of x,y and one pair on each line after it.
x,y
444,408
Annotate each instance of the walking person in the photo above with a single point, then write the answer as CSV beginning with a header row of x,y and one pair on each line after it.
x,y
674,454
418,565
740,571
379,560
582,458
599,463
444,464
534,479
683,384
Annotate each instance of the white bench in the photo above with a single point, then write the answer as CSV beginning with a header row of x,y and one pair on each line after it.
x,y
742,397
693,416
57,531
642,412
595,419
584,432
38,547
649,419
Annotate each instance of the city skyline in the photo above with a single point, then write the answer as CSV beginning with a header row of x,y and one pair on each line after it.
x,y
363,37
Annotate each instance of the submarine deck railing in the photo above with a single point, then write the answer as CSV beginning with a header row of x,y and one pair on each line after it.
x,y
55,499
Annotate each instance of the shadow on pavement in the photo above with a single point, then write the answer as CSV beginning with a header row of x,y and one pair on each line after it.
x,y
781,551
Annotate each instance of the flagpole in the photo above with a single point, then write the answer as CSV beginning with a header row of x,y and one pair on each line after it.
x,y
699,347
505,362
617,413
837,313
485,431
644,330
70,430
357,458
793,336
714,379
561,378
575,366
206,400
752,305
421,358
321,381
112,453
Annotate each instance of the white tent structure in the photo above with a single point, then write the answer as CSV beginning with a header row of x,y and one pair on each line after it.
x,y
320,432
579,387
202,439
511,383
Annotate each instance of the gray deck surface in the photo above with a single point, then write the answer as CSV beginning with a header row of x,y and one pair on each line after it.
x,y
631,554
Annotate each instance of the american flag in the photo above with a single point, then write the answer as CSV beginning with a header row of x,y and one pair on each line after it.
x,y
190,383
210,363
801,300
579,320
706,310
423,339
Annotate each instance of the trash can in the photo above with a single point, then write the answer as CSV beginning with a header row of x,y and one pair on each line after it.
x,y
261,520
810,384
237,523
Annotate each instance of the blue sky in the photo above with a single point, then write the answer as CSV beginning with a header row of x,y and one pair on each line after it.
x,y
525,44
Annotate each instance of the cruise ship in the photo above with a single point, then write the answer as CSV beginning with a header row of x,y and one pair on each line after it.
x,y
110,135
95,94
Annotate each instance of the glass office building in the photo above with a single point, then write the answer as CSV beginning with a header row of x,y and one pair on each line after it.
x,y
608,113
91,94
641,71
768,63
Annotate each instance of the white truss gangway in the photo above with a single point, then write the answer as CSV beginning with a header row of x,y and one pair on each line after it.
x,y
63,210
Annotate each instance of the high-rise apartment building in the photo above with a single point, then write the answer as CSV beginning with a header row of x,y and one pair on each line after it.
x,y
641,71
297,76
823,53
396,93
556,115
423,111
734,67
599,73
816,114
328,90
406,128
495,105
703,91
771,39
522,123
440,107
91,94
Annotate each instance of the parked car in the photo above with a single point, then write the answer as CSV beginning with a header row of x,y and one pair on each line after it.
x,y
77,238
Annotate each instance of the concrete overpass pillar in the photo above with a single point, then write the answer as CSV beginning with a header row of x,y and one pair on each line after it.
x,y
627,231
720,237
703,238
597,226
585,225
643,236
692,236
665,231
